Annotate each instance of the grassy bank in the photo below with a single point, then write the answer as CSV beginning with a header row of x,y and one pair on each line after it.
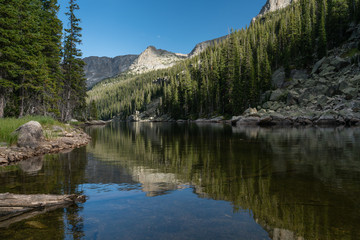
x,y
9,125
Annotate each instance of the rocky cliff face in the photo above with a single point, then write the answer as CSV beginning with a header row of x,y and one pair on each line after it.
x,y
99,68
273,5
200,47
154,59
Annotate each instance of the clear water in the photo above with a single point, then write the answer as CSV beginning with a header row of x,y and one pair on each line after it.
x,y
197,181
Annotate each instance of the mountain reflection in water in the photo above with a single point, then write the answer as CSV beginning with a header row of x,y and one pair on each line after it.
x,y
294,183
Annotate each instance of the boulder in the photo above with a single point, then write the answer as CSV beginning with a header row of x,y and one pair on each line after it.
x,y
277,95
322,101
3,160
250,111
317,65
304,120
355,106
57,129
339,63
327,70
133,118
30,134
299,74
327,119
350,93
248,121
275,106
332,91
278,78
265,96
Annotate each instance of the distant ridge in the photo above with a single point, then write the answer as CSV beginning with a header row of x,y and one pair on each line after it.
x,y
100,68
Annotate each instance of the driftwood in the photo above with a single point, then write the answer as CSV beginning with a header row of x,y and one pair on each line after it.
x,y
15,208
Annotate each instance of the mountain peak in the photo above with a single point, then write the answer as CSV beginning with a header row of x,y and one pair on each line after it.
x,y
274,5
154,59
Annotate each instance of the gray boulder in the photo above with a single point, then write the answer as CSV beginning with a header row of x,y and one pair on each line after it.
x,y
350,93
343,84
327,119
248,121
277,95
292,98
299,74
57,129
322,101
327,70
317,65
355,106
278,78
339,63
30,134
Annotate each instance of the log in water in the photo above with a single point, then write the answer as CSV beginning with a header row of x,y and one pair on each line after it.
x,y
16,207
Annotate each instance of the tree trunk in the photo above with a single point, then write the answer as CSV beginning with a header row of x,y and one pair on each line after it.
x,y
67,112
21,114
15,208
2,105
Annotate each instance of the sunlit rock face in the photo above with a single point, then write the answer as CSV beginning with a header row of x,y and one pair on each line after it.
x,y
155,59
274,5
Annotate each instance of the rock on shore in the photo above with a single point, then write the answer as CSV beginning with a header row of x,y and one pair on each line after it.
x,y
32,142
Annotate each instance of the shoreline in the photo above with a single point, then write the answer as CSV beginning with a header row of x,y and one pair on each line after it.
x,y
270,120
68,140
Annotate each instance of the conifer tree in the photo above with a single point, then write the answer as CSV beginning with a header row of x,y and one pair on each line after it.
x,y
51,30
322,47
74,86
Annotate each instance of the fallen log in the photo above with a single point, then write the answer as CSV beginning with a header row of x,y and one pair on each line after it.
x,y
15,207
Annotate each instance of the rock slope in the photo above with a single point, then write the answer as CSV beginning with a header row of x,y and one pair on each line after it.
x,y
100,68
327,94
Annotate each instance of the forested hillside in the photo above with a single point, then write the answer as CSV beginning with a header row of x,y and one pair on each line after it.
x,y
230,76
40,75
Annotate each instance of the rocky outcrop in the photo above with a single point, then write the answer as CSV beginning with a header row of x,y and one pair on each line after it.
x,y
328,96
274,5
155,59
100,68
200,47
30,135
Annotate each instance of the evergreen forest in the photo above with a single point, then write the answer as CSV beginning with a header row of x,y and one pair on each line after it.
x,y
41,70
231,75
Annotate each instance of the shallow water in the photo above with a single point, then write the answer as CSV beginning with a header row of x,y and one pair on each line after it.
x,y
197,181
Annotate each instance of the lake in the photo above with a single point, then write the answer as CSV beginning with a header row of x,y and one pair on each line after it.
x,y
197,181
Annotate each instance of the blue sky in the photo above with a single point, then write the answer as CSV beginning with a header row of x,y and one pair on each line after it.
x,y
120,27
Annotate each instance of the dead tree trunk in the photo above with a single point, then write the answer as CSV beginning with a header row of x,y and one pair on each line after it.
x,y
15,208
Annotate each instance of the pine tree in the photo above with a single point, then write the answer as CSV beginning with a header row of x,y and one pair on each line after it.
x,y
322,47
51,30
74,86
93,110
8,38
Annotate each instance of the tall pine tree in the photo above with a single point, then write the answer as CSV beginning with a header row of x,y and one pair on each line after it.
x,y
74,85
